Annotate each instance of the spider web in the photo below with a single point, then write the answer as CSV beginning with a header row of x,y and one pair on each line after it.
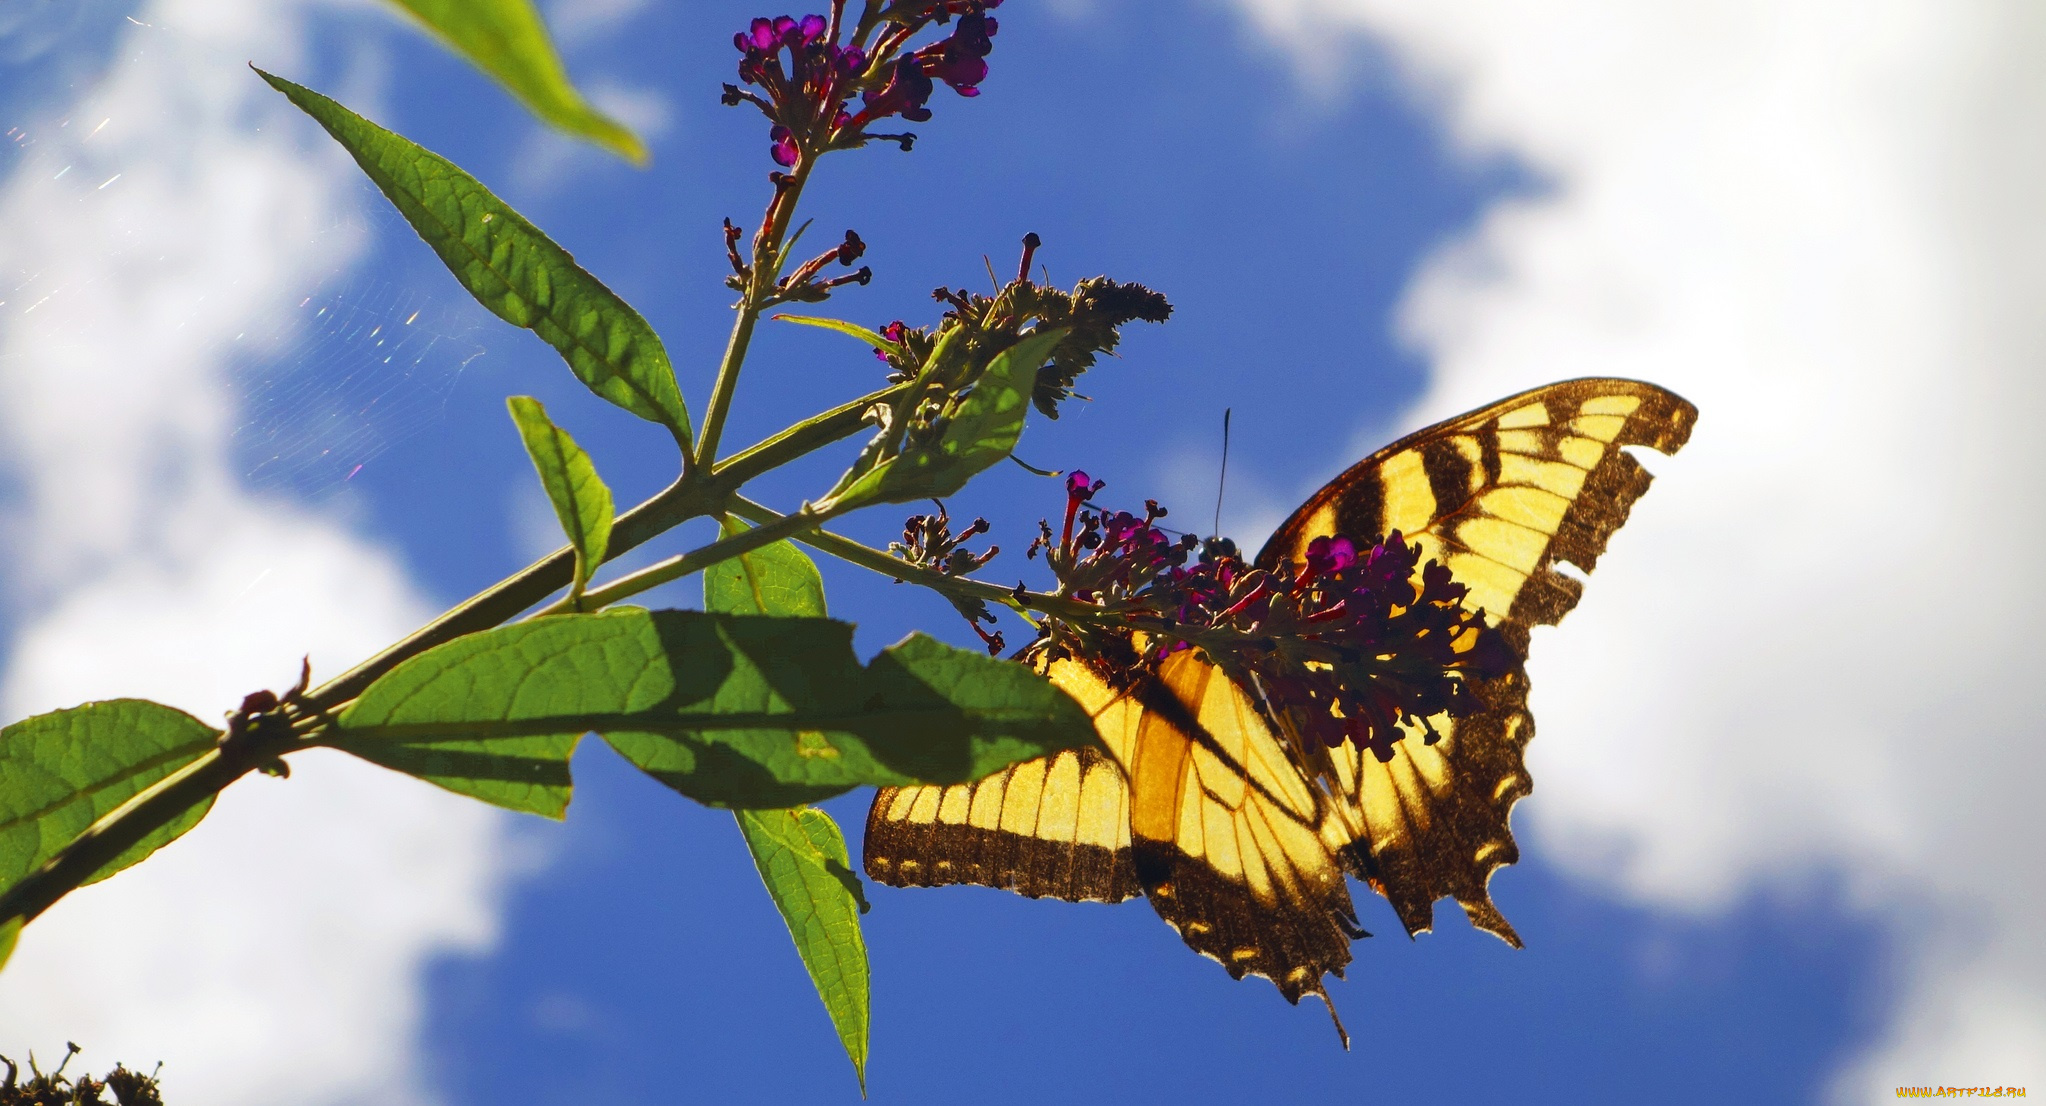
x,y
357,369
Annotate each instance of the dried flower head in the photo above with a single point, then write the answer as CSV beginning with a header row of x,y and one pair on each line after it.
x,y
928,542
54,1088
1092,314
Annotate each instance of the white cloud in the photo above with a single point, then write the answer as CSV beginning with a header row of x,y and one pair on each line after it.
x,y
575,22
1814,648
275,953
548,160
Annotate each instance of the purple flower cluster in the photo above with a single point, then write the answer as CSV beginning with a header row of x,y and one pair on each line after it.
x,y
1345,647
1406,648
805,96
1106,558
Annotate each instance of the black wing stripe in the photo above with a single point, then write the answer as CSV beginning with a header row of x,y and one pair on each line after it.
x,y
1449,471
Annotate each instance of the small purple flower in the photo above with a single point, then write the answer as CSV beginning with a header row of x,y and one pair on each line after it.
x,y
1326,555
894,332
959,59
905,95
785,149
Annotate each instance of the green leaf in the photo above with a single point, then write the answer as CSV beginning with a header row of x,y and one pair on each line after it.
x,y
777,579
507,40
581,501
981,432
510,266
730,710
63,771
854,329
528,774
803,861
800,853
10,932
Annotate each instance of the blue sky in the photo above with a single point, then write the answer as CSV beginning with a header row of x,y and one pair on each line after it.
x,y
1365,218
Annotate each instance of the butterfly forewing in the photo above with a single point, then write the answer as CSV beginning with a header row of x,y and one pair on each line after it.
x,y
1499,495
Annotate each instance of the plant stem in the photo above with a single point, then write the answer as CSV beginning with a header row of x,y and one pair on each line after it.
x,y
161,803
866,556
766,269
804,437
674,568
727,382
701,490
679,502
501,602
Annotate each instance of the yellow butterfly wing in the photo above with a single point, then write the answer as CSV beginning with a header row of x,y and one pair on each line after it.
x,y
1058,826
1226,833
1196,805
1499,495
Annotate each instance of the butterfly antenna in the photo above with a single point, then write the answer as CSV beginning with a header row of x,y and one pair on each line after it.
x,y
1340,1031
1222,481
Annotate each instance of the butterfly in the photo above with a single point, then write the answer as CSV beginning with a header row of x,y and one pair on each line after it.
x,y
1203,799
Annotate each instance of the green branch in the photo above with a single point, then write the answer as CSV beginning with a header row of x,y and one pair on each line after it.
x,y
767,264
696,560
679,502
126,825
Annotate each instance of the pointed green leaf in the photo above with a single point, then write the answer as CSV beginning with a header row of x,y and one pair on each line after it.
x,y
730,710
60,772
803,861
510,266
10,932
854,329
777,579
981,432
581,501
800,853
507,40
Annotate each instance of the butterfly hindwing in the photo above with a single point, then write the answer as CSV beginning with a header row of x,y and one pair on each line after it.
x,y
1218,828
1499,495
1432,822
1057,826
1225,831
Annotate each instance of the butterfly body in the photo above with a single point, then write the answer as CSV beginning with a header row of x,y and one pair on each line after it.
x,y
1223,809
